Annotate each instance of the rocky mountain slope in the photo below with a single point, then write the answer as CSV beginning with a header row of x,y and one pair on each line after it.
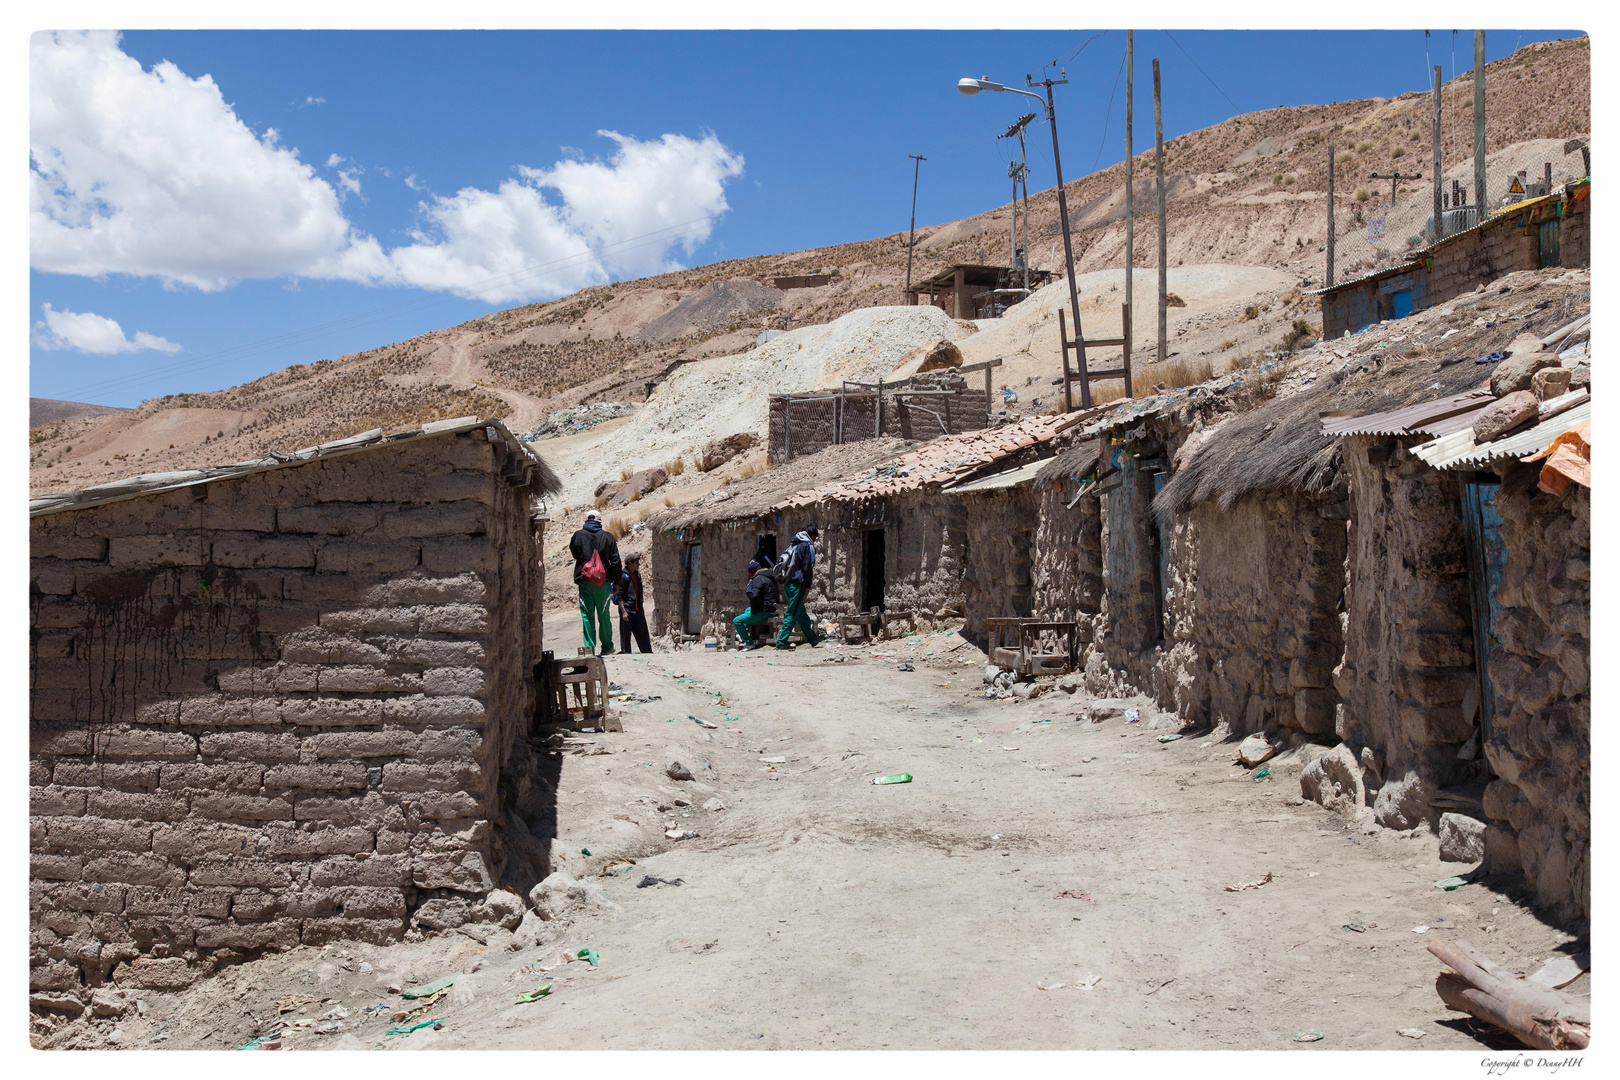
x,y
1249,191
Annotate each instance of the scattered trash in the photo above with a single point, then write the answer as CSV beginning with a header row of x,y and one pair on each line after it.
x,y
1261,775
701,722
335,1013
365,969
1048,720
376,1010
1420,929
588,955
406,1029
893,778
1561,970
1308,1036
429,989
1491,359
287,1003
1354,928
584,851
1250,884
1010,749
1132,715
774,760
1168,738
649,881
676,834
1088,982
263,1042
905,667
1410,1033
534,995
1453,883
1159,984
1054,986
1072,894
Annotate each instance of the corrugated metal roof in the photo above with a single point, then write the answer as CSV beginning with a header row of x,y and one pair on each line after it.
x,y
150,483
1024,474
1371,275
1458,449
1438,417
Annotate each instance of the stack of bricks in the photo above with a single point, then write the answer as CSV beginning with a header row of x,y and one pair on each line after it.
x,y
273,710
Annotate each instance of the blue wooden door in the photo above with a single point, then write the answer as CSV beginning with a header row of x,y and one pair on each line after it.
x,y
1483,524
1402,303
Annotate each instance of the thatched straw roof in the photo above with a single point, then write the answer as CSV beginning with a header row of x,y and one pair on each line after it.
x,y
1078,461
763,492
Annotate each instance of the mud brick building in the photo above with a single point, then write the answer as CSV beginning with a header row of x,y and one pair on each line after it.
x,y
1553,230
281,702
948,401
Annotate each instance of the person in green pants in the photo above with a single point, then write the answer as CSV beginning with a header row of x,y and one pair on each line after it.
x,y
798,570
596,567
761,602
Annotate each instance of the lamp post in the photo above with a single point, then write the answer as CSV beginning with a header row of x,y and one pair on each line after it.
x,y
973,86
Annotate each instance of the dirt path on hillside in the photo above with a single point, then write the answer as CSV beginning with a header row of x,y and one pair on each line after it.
x,y
818,910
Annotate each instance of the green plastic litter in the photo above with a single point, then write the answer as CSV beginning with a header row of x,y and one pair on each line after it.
x,y
254,1043
584,851
1452,883
404,1030
1262,774
1168,738
589,954
430,989
534,995
1048,720
1308,1036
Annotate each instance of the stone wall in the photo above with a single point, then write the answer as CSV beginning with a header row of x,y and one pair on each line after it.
x,y
998,578
1575,236
1067,568
1540,805
275,709
819,422
1408,643
1253,629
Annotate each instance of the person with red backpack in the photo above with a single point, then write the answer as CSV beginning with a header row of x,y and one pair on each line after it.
x,y
596,568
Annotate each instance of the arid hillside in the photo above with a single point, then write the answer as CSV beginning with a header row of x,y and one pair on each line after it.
x,y
1250,191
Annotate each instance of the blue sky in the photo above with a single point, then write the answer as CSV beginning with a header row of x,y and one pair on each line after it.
x,y
440,162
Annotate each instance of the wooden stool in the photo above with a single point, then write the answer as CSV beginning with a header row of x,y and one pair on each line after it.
x,y
586,675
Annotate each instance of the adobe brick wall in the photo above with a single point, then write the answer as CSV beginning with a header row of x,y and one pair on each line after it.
x,y
1575,237
814,422
1540,803
276,714
998,572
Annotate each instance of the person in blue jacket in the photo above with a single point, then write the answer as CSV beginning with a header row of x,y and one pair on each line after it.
x,y
761,603
797,571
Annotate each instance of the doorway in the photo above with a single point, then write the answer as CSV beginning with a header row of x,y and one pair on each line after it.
x,y
765,549
1486,555
692,621
873,547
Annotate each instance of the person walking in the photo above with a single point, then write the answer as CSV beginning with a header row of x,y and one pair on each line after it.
x,y
761,602
797,570
596,567
632,609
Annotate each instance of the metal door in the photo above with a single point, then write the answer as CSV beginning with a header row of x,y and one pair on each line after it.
x,y
1401,303
1482,524
1547,243
694,588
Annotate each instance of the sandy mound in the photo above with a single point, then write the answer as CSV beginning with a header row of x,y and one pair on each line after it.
x,y
711,307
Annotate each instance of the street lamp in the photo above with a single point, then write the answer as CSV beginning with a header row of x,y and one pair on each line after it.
x,y
973,86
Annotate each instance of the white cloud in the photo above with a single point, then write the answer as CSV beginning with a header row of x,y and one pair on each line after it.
x,y
96,334
308,101
335,160
152,174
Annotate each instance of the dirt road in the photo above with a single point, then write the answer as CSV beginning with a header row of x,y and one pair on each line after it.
x,y
819,910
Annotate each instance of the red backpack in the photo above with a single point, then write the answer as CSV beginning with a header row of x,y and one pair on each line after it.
x,y
593,571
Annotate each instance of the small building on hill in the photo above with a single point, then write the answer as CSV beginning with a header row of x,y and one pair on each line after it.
x,y
282,702
1552,230
975,291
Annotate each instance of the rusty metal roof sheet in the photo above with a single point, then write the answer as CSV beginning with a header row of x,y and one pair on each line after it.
x,y
1439,417
1007,478
1459,451
150,483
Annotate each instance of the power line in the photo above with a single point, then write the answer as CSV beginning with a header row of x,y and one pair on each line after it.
x,y
307,334
1201,71
1082,48
1109,114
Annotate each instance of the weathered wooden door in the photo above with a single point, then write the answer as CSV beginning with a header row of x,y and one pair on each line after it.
x,y
1482,525
694,589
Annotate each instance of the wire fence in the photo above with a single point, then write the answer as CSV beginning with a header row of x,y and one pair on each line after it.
x,y
1372,232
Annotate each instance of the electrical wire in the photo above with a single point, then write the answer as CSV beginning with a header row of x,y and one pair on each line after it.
x,y
1109,114
1201,71
547,268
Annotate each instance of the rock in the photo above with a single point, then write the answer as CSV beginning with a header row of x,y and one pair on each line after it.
x,y
1071,682
1549,382
42,1001
990,673
1334,781
638,485
1580,377
501,907
530,931
1106,709
108,1002
1462,838
1403,803
1514,374
443,914
1502,850
720,451
1503,415
1024,690
676,771
714,804
1372,766
604,487
550,899
941,354
1255,749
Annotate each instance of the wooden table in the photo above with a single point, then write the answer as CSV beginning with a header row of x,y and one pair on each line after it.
x,y
1015,645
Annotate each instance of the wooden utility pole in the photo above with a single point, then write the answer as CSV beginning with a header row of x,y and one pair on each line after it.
x,y
1439,226
1130,181
1164,246
1479,124
916,171
1330,216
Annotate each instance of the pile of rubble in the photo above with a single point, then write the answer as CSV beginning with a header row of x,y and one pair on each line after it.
x,y
580,418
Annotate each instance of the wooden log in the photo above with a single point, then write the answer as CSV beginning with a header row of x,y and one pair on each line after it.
x,y
1539,1017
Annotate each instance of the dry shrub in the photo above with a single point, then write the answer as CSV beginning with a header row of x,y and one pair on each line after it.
x,y
1362,194
1250,312
618,526
601,501
625,474
676,467
753,469
1228,343
1172,374
668,501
